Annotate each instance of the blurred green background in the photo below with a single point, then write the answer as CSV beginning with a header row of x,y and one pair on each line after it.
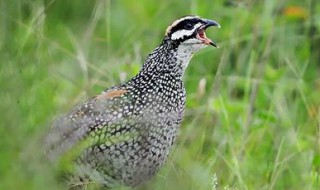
x,y
252,119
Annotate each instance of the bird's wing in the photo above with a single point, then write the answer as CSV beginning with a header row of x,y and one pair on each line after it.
x,y
92,122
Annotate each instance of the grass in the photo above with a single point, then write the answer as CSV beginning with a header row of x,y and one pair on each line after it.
x,y
252,119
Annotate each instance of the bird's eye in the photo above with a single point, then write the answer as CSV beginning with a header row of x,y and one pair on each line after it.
x,y
188,26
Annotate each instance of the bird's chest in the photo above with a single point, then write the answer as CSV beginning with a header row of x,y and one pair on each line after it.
x,y
162,111
163,102
159,113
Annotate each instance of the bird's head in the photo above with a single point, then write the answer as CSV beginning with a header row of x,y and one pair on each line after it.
x,y
189,31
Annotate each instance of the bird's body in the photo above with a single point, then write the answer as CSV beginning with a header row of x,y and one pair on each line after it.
x,y
124,135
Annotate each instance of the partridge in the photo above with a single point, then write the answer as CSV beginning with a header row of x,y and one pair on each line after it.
x,y
124,135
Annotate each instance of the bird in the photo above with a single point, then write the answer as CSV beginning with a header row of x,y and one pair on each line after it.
x,y
123,135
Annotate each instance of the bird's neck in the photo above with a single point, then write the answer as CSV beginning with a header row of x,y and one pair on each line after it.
x,y
168,58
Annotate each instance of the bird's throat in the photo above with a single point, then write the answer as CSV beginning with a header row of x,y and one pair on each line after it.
x,y
183,55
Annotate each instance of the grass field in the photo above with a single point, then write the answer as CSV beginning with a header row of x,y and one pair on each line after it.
x,y
252,118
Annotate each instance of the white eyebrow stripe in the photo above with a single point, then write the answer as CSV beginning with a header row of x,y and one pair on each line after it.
x,y
179,20
181,33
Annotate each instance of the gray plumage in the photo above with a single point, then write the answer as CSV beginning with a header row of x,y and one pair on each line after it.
x,y
124,135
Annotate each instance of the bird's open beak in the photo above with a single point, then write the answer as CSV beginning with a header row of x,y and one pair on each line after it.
x,y
201,35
